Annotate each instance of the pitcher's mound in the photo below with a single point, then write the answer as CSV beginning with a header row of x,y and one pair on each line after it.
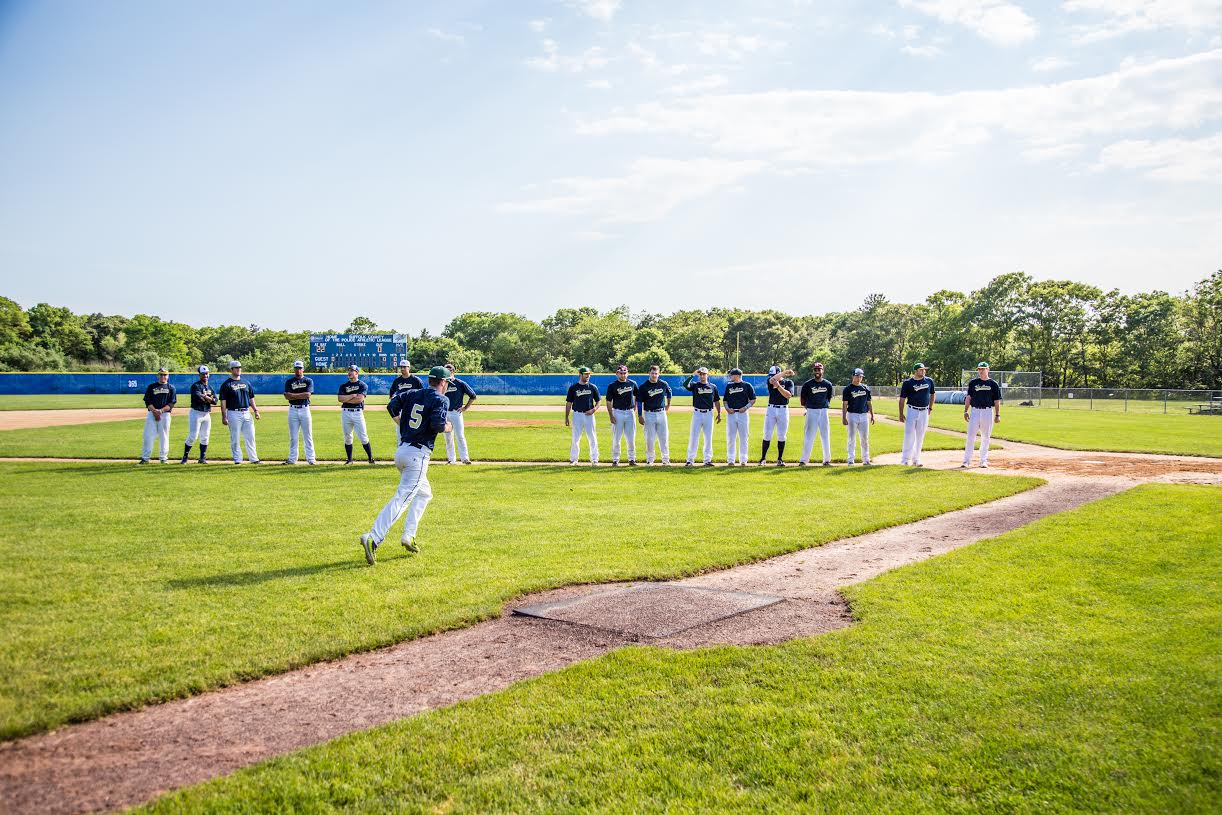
x,y
654,610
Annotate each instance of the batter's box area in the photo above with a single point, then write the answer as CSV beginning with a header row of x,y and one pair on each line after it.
x,y
653,610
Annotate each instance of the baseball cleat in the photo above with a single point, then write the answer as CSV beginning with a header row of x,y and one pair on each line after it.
x,y
962,466
144,461
369,546
164,461
801,463
780,463
203,461
827,464
466,461
257,461
615,464
983,466
184,460
631,463
371,461
409,543
686,464
708,464
312,463
346,463
763,461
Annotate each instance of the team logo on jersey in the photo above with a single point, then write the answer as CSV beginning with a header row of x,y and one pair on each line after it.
x,y
855,394
655,391
734,390
583,392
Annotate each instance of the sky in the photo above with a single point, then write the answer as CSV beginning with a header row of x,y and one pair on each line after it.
x,y
293,164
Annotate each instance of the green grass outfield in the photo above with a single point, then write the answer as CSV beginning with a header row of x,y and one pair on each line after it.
x,y
532,436
1068,666
1085,430
121,586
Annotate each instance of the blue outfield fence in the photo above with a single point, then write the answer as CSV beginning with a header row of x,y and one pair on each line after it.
x,y
489,384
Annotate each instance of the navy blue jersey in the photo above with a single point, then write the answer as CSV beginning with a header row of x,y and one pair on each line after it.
x,y
983,392
583,397
411,382
739,395
295,385
622,395
456,391
350,388
424,416
237,394
158,395
653,395
918,392
817,394
201,397
856,398
395,406
703,396
774,395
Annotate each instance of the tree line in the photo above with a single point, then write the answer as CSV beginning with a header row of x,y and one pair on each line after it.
x,y
1077,335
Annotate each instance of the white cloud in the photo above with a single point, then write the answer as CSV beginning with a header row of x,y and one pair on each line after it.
x,y
839,128
994,20
552,60
603,10
885,32
445,36
1181,160
702,85
1121,17
650,190
926,51
1046,65
594,235
599,84
538,26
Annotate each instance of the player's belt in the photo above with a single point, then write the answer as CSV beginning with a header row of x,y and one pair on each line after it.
x,y
914,407
298,404
239,410
703,410
353,408
771,405
654,410
415,444
812,408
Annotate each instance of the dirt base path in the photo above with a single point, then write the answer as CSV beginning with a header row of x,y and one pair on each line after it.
x,y
132,757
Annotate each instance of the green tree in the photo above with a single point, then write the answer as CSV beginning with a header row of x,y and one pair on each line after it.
x,y
362,325
1055,321
1201,321
14,324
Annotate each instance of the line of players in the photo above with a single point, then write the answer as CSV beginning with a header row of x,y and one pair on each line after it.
x,y
235,401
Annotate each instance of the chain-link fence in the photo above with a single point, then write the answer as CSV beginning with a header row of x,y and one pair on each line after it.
x,y
1132,400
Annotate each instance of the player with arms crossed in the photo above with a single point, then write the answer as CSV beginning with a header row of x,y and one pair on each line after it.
x,y
652,405
457,437
352,418
981,411
857,414
621,404
582,402
199,417
159,400
705,399
776,419
237,405
297,390
422,417
740,398
816,397
405,381
916,393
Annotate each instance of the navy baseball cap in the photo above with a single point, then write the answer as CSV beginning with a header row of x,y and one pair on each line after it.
x,y
354,367
858,372
163,370
774,370
298,364
203,369
440,372
736,372
623,369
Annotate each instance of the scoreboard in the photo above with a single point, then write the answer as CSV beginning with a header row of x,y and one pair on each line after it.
x,y
365,350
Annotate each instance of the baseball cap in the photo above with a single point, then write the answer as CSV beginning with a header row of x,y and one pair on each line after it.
x,y
817,365
918,365
449,366
403,363
623,369
298,364
858,372
583,370
233,363
774,370
203,369
354,367
163,370
983,365
440,372
702,370
736,372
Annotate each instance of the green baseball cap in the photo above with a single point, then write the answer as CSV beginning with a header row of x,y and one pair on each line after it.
x,y
918,366
583,370
438,372
983,365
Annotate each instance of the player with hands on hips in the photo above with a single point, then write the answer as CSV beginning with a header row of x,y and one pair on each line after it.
x,y
857,414
456,437
916,395
776,419
705,400
652,404
352,415
199,416
816,397
981,410
621,410
297,390
582,402
159,400
423,416
739,399
237,407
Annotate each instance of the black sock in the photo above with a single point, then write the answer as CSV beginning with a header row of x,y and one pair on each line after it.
x,y
764,454
203,451
780,450
186,450
368,450
348,450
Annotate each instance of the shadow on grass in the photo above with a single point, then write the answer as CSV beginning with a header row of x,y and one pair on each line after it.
x,y
253,578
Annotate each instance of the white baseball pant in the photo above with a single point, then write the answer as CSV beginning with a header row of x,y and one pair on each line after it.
x,y
456,438
737,427
657,431
300,421
199,426
241,429
978,420
583,425
625,425
158,429
352,421
702,422
859,425
412,495
915,422
776,419
817,424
